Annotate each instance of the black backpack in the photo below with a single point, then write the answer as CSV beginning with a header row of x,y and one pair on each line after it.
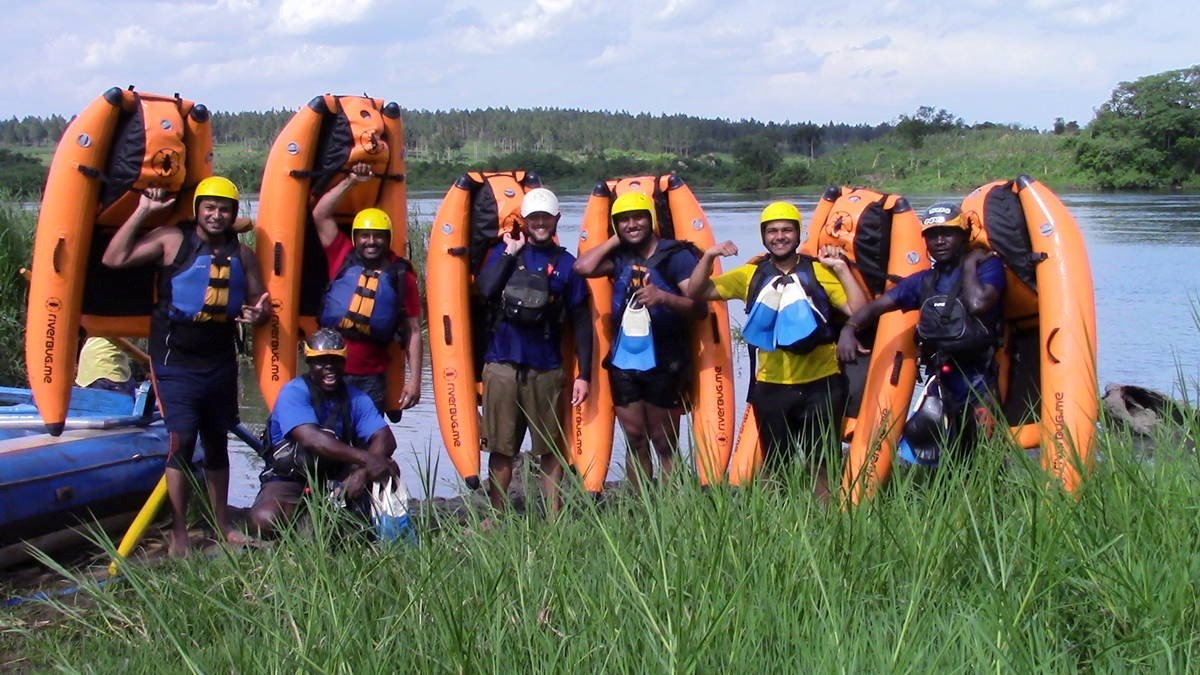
x,y
946,325
526,298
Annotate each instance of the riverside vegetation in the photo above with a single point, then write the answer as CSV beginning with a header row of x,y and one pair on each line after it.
x,y
985,569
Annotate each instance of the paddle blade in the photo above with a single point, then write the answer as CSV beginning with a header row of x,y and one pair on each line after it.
x,y
634,349
797,318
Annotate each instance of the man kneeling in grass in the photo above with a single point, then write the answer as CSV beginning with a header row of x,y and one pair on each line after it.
x,y
319,428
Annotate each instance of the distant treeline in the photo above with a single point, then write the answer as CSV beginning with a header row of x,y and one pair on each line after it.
x,y
1147,136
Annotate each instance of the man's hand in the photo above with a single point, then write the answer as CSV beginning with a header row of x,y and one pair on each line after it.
x,y
723,249
833,257
379,467
514,241
579,392
257,313
360,173
154,200
848,346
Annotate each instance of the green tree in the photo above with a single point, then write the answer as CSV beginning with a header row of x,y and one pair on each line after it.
x,y
756,157
1145,135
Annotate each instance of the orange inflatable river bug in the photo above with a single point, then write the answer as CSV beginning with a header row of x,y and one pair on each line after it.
x,y
122,143
313,152
476,209
880,236
680,217
1047,359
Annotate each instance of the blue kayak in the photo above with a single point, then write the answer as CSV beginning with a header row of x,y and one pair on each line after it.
x,y
101,468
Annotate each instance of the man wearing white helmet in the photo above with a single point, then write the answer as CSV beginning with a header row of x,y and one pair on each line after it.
x,y
208,282
798,391
372,296
532,291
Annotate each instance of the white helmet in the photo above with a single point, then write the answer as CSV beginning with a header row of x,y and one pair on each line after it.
x,y
539,199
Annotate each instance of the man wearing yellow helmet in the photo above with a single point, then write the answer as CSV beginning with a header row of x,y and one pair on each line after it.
x,y
798,390
650,277
960,304
208,282
321,427
372,296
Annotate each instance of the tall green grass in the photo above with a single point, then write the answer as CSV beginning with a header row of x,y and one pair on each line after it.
x,y
16,251
981,568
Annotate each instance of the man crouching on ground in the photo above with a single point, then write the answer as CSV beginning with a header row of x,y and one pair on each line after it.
x,y
328,425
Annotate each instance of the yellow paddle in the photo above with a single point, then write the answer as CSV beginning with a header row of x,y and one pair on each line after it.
x,y
136,529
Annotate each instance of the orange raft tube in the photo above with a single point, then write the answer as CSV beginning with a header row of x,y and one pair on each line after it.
x,y
311,154
1047,361
880,236
122,143
476,209
680,217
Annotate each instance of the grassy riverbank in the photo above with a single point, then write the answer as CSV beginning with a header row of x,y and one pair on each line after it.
x,y
988,570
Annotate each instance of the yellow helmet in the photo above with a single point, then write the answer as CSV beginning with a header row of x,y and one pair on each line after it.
x,y
372,219
215,186
325,342
780,211
631,202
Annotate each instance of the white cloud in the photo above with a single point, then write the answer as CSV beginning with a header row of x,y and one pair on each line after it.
x,y
299,17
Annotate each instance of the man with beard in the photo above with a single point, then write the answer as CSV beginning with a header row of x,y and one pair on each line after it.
x,y
208,282
650,277
321,427
533,292
798,392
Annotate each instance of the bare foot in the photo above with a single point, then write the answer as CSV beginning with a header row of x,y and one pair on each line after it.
x,y
236,537
180,545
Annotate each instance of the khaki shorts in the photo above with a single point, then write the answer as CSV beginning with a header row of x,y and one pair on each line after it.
x,y
519,399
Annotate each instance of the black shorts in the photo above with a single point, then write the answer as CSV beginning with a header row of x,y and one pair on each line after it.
x,y
662,387
804,419
201,400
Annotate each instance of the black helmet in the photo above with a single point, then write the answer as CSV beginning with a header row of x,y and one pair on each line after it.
x,y
944,214
325,342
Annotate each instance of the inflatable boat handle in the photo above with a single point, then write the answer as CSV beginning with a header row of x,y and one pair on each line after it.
x,y
457,250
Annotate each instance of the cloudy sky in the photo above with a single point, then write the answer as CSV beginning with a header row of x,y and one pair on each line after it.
x,y
1008,61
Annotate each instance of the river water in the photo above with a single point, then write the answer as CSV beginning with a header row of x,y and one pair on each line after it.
x,y
1144,252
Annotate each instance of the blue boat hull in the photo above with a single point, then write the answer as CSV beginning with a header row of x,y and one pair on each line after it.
x,y
50,484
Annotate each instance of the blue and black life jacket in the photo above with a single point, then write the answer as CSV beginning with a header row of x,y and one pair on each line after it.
x,y
946,326
367,303
634,272
199,296
766,270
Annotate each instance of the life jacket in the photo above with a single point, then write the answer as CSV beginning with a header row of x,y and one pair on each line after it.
x,y
765,271
203,284
527,298
634,272
946,326
367,303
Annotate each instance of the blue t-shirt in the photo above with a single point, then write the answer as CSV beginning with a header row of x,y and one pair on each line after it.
x,y
294,407
537,346
990,271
